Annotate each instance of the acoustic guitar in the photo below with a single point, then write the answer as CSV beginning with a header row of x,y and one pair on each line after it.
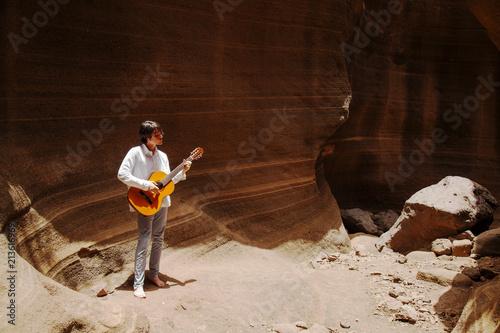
x,y
146,202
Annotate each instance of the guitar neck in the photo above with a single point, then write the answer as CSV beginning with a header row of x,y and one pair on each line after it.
x,y
168,178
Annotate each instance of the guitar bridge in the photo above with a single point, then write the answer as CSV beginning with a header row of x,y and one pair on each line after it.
x,y
146,197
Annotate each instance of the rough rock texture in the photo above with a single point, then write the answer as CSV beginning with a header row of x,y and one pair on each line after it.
x,y
385,220
405,82
482,311
462,248
444,277
487,243
442,246
488,12
453,205
39,304
259,87
357,220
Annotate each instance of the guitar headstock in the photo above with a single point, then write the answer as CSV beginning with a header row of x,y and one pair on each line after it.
x,y
196,154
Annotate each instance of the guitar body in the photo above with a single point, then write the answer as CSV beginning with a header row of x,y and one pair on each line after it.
x,y
147,203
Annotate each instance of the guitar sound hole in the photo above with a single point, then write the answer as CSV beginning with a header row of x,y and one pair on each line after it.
x,y
146,197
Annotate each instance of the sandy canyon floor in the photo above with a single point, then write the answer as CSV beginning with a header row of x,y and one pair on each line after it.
x,y
225,286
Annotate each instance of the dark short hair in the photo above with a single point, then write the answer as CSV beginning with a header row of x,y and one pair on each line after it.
x,y
147,129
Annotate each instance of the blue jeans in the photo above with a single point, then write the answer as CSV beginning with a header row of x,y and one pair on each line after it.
x,y
149,227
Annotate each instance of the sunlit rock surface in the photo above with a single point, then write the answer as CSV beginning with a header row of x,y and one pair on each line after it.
x,y
259,88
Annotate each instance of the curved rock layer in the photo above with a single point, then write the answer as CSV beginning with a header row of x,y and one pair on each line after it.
x,y
259,85
426,89
35,303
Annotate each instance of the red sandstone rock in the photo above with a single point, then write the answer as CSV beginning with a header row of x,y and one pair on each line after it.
x,y
487,243
404,82
444,277
442,246
461,248
260,91
487,12
452,206
482,311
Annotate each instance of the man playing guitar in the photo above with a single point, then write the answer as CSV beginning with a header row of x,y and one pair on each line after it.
x,y
137,166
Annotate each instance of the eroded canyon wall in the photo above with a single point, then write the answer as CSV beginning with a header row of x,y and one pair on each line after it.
x,y
488,13
426,89
259,85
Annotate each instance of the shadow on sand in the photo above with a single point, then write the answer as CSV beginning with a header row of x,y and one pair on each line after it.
x,y
150,286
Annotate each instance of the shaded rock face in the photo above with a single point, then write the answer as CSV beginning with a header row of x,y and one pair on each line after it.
x,y
259,88
404,132
454,205
356,220
482,312
385,220
487,243
487,12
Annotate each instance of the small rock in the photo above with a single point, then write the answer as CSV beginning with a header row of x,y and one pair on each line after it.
x,y
397,291
333,257
302,324
322,256
472,272
465,235
102,293
446,258
397,279
390,305
487,273
345,324
408,314
424,310
444,277
404,299
462,247
421,256
402,260
442,246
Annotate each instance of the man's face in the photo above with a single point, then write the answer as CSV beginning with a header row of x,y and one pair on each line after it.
x,y
157,137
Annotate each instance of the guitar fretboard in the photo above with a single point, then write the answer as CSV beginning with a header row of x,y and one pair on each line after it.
x,y
172,174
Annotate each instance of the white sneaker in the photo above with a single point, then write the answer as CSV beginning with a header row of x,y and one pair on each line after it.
x,y
139,292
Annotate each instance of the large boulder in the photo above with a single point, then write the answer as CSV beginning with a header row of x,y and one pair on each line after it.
x,y
487,244
453,205
385,220
357,220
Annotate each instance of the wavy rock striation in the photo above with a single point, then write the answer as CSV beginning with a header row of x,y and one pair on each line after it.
x,y
259,87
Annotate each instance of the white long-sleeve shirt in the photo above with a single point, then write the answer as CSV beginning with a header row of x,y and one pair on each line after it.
x,y
140,163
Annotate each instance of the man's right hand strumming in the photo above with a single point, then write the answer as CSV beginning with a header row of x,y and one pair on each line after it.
x,y
153,188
